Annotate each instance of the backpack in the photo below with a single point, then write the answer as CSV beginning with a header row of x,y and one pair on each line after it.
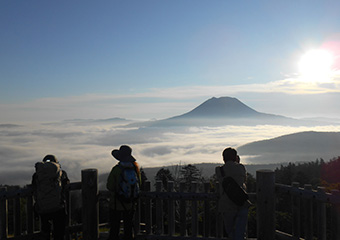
x,y
128,189
235,193
48,187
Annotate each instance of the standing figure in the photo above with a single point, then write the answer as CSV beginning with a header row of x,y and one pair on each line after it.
x,y
48,183
235,217
123,183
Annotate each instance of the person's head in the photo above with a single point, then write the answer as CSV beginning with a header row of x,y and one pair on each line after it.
x,y
230,154
50,158
123,154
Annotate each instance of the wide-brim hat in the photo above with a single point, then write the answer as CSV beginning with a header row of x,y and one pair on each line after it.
x,y
123,154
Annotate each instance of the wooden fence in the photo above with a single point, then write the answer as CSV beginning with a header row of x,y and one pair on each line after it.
x,y
183,214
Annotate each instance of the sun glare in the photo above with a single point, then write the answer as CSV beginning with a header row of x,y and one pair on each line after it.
x,y
316,66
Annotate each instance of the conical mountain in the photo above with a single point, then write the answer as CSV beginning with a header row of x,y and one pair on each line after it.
x,y
222,111
221,107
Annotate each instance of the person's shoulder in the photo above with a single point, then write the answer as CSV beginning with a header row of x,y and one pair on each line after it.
x,y
218,168
242,166
116,168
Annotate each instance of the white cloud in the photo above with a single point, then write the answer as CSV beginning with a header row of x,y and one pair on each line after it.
x,y
79,147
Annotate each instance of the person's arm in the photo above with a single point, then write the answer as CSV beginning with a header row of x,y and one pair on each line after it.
x,y
218,172
34,185
244,177
111,180
64,179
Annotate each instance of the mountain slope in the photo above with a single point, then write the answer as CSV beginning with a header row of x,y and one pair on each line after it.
x,y
221,107
303,146
222,111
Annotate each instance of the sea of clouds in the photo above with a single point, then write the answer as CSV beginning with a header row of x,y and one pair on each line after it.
x,y
81,145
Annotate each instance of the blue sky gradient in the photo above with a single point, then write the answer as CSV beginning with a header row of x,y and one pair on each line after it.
x,y
114,49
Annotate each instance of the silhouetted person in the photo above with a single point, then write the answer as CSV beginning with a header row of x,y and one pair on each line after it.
x,y
123,182
48,183
235,217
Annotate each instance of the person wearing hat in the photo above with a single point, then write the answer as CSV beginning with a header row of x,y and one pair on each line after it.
x,y
235,217
50,199
123,183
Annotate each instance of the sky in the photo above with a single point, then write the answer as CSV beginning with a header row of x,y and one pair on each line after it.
x,y
155,59
151,59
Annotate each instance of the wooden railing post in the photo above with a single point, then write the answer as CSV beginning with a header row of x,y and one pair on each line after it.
x,y
308,210
137,218
159,210
3,215
296,210
207,220
171,211
68,235
265,190
17,214
194,212
219,217
182,212
90,210
335,216
148,210
30,214
321,217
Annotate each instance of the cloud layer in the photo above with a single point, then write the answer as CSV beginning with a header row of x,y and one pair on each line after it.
x,y
79,145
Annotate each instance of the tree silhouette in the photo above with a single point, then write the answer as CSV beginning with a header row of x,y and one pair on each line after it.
x,y
165,176
189,174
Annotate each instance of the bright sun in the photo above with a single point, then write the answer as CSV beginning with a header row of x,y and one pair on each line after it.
x,y
316,66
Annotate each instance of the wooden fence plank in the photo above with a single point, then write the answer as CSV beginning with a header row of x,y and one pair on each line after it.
x,y
296,212
265,191
207,222
3,215
159,210
308,214
321,217
17,215
194,212
90,211
182,212
30,214
335,216
171,211
148,210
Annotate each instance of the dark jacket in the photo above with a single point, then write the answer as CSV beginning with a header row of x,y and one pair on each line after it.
x,y
113,184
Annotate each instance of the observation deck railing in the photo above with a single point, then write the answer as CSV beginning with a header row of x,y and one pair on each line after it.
x,y
180,214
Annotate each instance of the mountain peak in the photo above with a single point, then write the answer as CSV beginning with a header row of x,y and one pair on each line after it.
x,y
222,107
